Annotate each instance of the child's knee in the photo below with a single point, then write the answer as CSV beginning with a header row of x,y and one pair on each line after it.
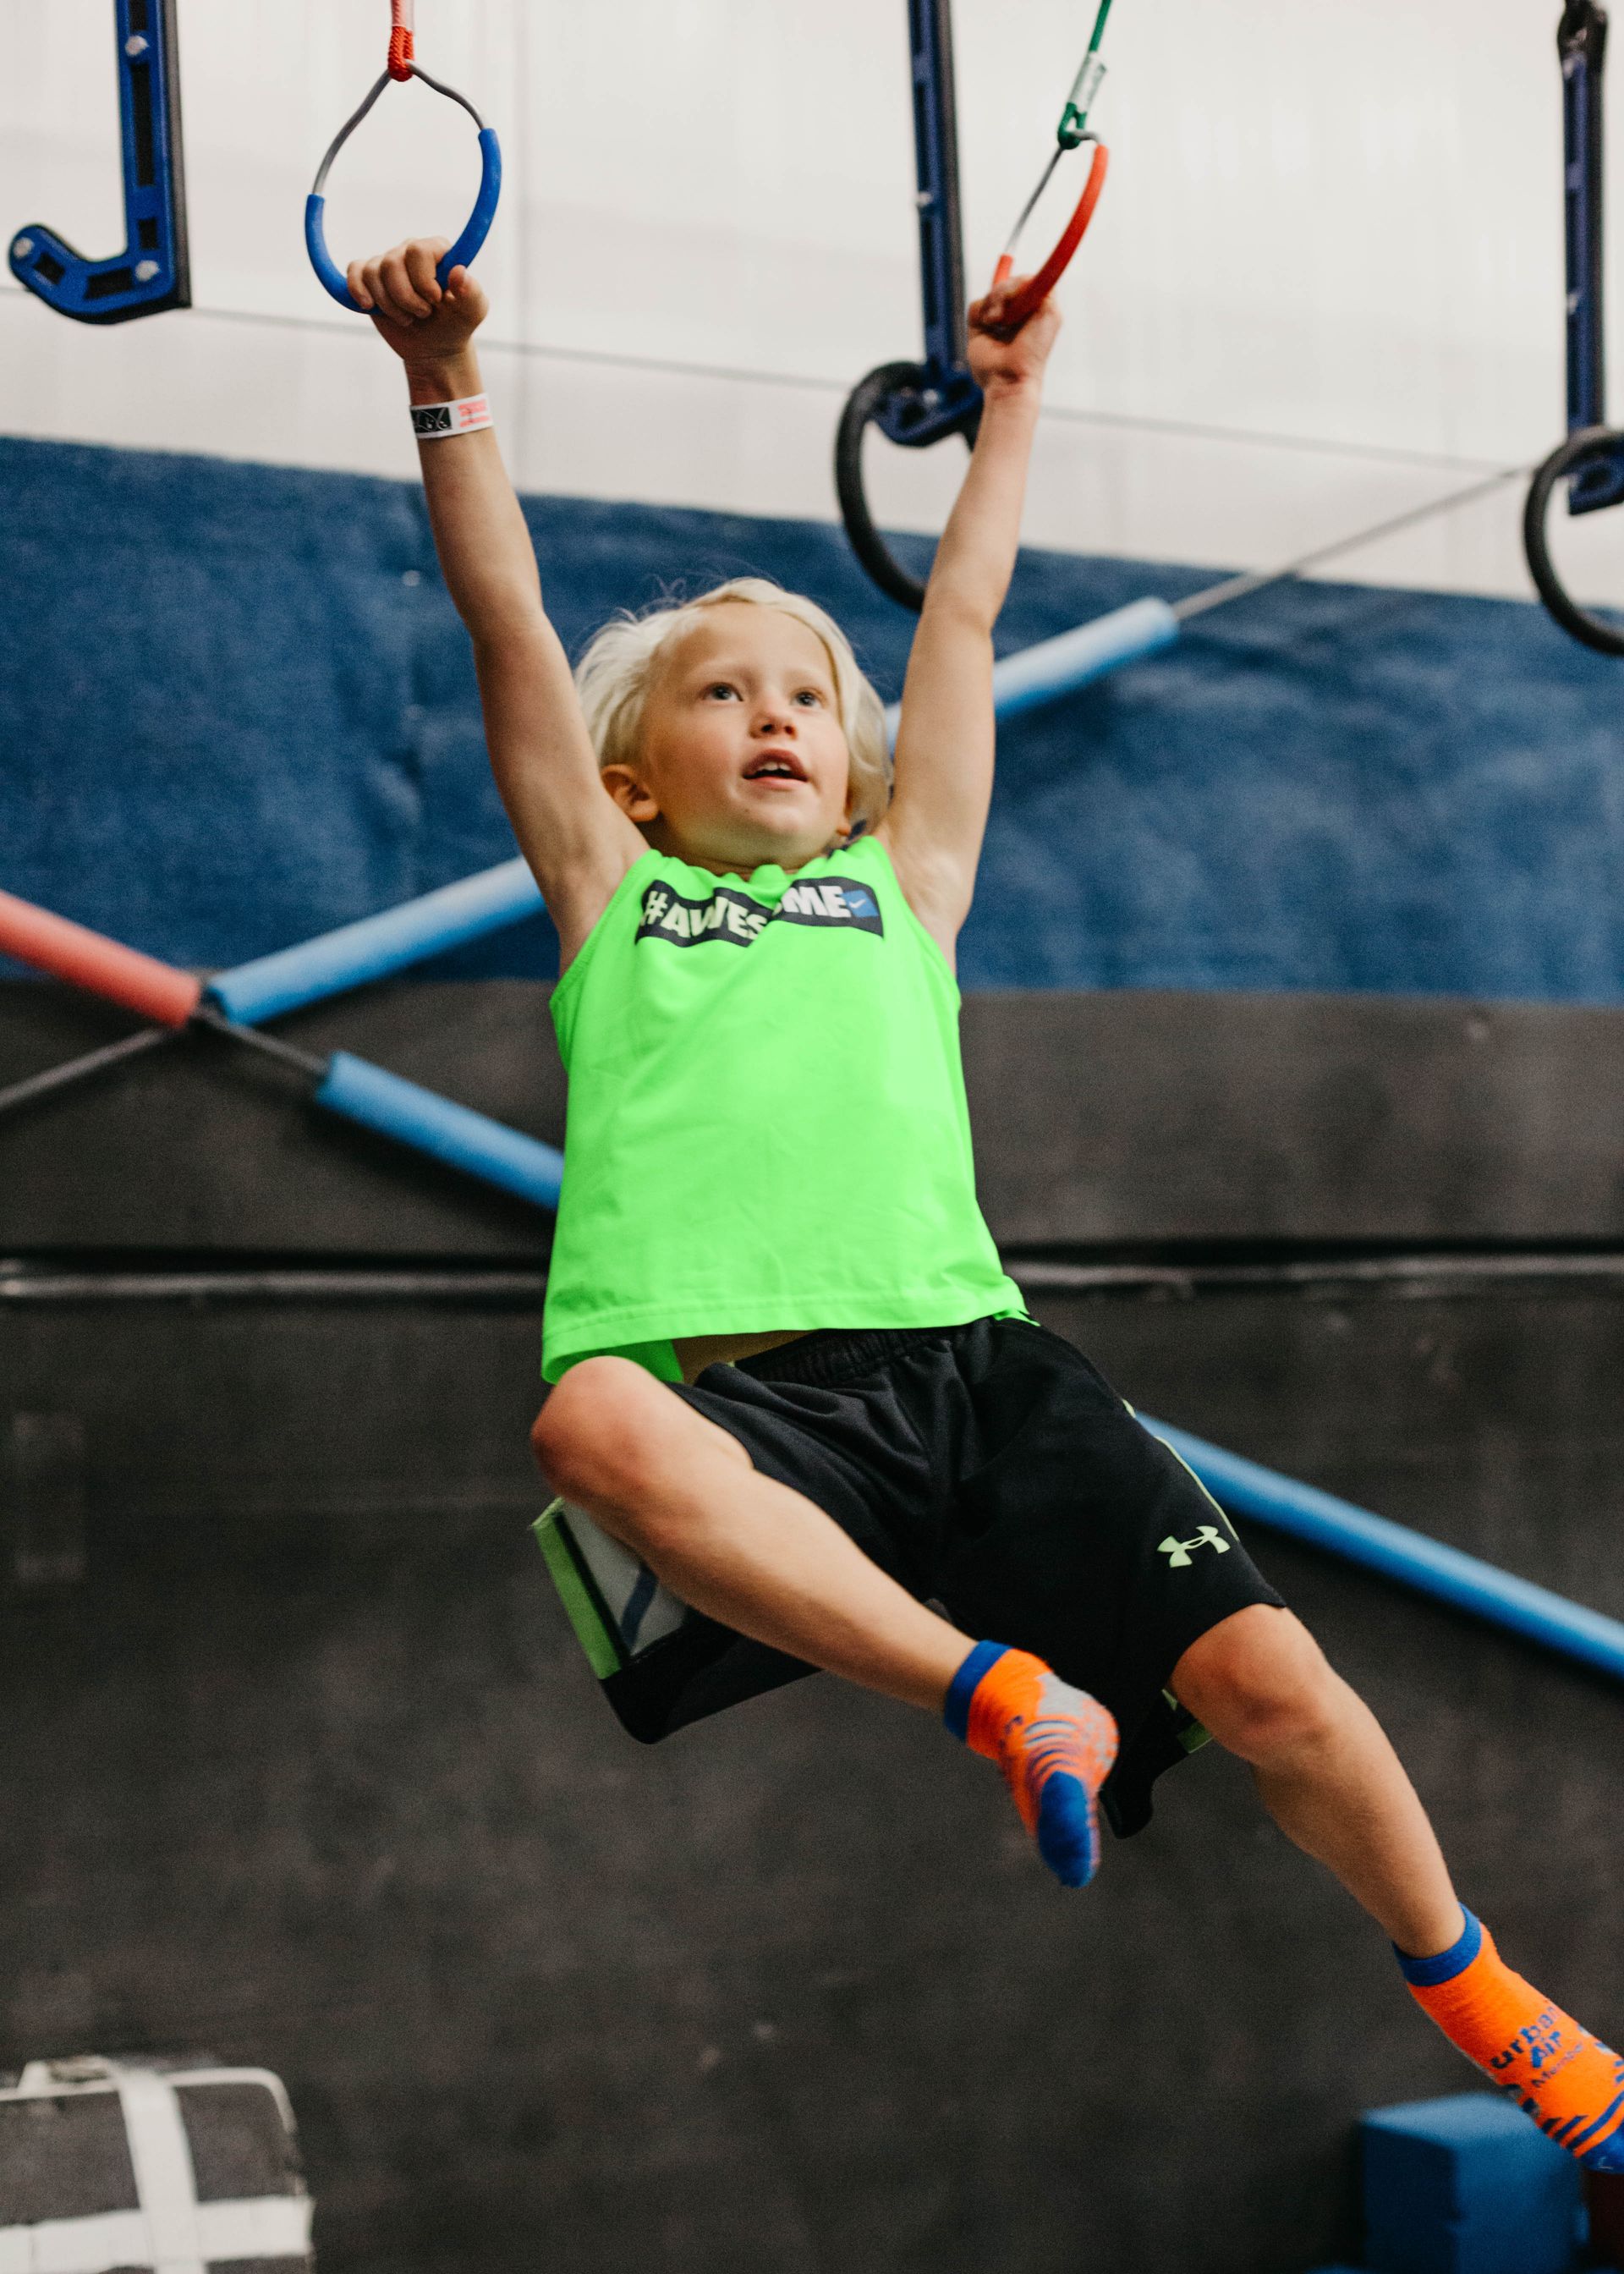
x,y
1260,1682
589,1430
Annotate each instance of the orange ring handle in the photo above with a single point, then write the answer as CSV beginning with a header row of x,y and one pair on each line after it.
x,y
1033,294
101,967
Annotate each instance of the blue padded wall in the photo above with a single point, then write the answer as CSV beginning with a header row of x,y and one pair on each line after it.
x,y
237,708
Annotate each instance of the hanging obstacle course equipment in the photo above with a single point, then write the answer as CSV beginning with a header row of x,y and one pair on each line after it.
x,y
915,404
1070,134
343,1084
1592,461
152,272
402,66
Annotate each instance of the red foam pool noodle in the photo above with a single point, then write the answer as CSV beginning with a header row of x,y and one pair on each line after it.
x,y
101,967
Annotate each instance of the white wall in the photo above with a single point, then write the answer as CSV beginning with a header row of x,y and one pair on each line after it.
x,y
1325,284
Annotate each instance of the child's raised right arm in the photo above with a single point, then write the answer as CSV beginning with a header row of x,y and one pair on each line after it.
x,y
570,829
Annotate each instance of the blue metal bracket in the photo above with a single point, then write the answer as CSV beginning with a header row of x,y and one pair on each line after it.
x,y
1589,464
151,271
945,393
918,403
1582,44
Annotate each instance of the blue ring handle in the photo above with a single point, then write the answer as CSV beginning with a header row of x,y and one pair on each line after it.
x,y
474,234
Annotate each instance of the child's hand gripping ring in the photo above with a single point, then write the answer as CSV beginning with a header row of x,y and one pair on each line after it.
x,y
478,226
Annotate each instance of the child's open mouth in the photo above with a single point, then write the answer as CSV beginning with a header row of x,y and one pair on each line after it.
x,y
776,767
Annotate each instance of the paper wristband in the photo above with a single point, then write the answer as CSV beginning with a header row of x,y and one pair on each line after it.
x,y
432,420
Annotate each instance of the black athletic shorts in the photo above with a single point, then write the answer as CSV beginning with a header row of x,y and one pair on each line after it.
x,y
992,1470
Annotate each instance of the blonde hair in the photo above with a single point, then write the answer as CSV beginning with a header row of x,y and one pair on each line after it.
x,y
613,677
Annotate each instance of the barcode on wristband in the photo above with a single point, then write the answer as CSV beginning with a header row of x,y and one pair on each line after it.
x,y
430,421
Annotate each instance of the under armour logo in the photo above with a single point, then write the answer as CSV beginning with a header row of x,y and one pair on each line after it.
x,y
1179,1551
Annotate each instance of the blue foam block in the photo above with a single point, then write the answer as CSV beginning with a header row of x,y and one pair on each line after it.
x,y
1467,2184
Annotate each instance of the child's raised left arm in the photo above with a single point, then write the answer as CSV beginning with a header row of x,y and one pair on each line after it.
x,y
945,738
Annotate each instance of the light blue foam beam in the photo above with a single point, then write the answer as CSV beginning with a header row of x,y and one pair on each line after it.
x,y
1054,667
1076,659
422,1119
1447,1574
377,945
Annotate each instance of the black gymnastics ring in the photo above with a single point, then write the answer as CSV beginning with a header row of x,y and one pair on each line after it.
x,y
863,405
1580,450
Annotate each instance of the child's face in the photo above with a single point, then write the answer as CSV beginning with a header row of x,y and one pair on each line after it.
x,y
743,758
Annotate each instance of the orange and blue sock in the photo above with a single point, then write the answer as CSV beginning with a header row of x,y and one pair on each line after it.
x,y
1567,2080
1055,1745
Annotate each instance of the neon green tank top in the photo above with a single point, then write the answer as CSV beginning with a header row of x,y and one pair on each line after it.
x,y
767,1127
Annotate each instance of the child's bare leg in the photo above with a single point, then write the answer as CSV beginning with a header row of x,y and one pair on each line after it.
x,y
685,1497
1333,1784
742,1548
1324,1768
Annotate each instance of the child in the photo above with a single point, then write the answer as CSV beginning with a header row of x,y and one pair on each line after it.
x,y
790,1373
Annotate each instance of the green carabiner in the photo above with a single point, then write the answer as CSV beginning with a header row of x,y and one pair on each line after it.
x,y
1073,128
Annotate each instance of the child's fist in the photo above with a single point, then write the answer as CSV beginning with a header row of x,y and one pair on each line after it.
x,y
418,316
1000,359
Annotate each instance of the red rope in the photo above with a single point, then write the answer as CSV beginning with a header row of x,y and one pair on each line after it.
x,y
402,43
